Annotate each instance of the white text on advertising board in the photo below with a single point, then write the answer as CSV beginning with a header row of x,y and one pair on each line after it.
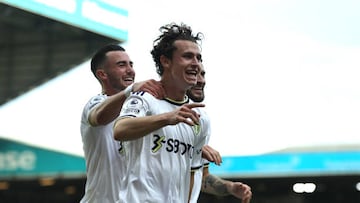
x,y
17,160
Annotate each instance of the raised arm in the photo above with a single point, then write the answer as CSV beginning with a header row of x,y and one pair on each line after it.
x,y
109,110
130,128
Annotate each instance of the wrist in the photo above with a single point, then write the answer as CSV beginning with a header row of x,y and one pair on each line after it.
x,y
128,90
229,187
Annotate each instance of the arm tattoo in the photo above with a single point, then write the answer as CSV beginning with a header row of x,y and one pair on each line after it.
x,y
214,185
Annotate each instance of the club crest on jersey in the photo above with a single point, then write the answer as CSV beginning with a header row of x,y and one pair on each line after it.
x,y
196,129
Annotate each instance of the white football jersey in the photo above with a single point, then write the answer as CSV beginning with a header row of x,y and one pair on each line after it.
x,y
159,163
104,161
198,172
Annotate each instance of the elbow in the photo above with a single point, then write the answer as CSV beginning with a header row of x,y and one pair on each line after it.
x,y
118,137
119,134
104,118
119,131
126,130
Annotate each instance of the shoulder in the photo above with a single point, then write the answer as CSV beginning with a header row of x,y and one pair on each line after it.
x,y
97,98
137,103
141,96
93,101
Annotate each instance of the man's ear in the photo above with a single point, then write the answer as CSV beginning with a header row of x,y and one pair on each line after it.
x,y
100,73
165,62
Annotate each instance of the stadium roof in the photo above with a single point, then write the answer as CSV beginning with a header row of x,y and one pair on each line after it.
x,y
35,49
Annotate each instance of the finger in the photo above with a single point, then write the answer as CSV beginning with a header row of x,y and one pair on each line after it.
x,y
215,158
151,91
194,105
189,113
245,200
207,156
218,159
248,198
195,118
156,85
159,87
214,154
191,118
188,121
151,86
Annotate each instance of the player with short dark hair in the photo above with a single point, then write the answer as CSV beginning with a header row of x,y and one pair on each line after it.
x,y
105,167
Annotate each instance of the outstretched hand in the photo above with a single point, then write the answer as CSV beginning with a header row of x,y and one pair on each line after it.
x,y
151,86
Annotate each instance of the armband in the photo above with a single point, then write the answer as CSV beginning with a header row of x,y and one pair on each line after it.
x,y
128,90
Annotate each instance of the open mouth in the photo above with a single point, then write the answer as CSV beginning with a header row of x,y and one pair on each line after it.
x,y
129,80
192,72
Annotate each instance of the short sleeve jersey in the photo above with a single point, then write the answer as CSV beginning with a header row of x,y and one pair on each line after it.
x,y
104,161
159,163
198,172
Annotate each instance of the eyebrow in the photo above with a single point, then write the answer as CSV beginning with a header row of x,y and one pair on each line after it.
x,y
124,62
197,55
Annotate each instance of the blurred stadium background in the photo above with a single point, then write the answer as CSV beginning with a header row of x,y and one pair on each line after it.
x,y
41,40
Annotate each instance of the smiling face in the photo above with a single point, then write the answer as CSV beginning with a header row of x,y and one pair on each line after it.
x,y
117,72
182,69
196,92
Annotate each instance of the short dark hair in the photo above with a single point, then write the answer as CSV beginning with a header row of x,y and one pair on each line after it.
x,y
164,44
100,56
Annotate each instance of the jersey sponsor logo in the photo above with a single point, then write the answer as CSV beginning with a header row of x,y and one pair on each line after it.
x,y
171,145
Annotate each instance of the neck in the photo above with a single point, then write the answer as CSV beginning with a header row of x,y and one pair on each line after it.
x,y
109,91
172,91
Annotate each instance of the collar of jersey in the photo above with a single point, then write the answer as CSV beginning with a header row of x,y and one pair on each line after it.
x,y
179,103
